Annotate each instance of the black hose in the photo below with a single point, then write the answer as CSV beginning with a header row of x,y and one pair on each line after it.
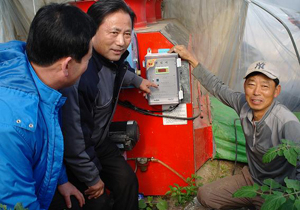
x,y
236,145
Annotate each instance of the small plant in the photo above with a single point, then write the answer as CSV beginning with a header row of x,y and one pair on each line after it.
x,y
186,193
150,204
277,196
18,206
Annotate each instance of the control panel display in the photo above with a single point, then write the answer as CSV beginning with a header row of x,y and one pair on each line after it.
x,y
161,68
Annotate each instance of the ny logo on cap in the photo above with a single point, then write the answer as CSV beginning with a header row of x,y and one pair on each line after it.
x,y
260,65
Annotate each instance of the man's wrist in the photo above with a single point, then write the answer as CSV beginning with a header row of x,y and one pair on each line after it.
x,y
194,63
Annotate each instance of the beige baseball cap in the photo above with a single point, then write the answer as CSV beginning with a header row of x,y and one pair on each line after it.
x,y
263,67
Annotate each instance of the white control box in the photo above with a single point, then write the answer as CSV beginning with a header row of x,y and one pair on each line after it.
x,y
162,69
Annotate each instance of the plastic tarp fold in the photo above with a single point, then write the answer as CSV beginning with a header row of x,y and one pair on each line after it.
x,y
228,134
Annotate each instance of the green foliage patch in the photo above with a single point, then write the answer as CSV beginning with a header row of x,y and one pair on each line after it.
x,y
276,196
181,194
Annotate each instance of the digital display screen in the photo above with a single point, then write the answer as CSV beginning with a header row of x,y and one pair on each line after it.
x,y
161,70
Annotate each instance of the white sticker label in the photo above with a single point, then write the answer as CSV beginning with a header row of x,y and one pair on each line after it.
x,y
180,111
178,62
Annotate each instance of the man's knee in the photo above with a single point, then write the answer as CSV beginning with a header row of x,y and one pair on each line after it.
x,y
203,196
128,179
132,179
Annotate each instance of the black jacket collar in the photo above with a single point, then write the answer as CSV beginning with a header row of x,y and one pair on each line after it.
x,y
108,63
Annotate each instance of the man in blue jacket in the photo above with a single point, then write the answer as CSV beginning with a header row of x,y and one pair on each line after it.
x,y
31,143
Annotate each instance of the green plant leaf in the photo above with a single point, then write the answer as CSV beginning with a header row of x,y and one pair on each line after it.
x,y
264,196
297,149
150,199
273,202
288,191
270,155
182,194
280,152
264,188
162,204
4,207
179,199
291,156
142,204
246,191
288,205
283,189
293,184
292,197
297,204
148,208
19,206
272,183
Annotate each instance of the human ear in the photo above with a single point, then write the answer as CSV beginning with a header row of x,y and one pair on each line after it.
x,y
277,91
65,66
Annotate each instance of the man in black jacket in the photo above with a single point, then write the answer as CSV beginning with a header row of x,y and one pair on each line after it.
x,y
92,159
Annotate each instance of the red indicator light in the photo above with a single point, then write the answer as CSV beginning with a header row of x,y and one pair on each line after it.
x,y
162,70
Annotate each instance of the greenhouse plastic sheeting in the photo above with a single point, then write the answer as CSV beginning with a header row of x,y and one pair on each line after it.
x,y
223,118
16,16
227,36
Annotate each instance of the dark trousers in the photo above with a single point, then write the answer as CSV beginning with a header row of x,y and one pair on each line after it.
x,y
118,178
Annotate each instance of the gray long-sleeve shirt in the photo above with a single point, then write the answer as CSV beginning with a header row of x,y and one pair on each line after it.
x,y
278,123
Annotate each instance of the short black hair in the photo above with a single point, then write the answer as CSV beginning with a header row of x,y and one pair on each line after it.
x,y
58,31
256,73
99,10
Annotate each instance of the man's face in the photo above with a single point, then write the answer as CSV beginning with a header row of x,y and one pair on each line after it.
x,y
260,92
77,69
113,35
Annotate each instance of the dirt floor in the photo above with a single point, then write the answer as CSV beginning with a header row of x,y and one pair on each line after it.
x,y
210,171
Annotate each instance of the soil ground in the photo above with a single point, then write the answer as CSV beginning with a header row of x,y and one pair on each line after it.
x,y
210,171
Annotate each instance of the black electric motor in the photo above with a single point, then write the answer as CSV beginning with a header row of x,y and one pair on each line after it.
x,y
125,134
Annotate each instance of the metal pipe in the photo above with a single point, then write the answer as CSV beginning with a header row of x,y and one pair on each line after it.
x,y
152,159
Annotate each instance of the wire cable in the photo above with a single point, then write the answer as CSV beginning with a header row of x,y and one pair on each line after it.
x,y
129,105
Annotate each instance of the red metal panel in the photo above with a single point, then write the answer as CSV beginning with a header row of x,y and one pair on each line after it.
x,y
150,11
83,5
203,145
158,9
172,144
139,8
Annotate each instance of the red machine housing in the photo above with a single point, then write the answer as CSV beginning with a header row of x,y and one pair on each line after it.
x,y
83,5
172,152
180,148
